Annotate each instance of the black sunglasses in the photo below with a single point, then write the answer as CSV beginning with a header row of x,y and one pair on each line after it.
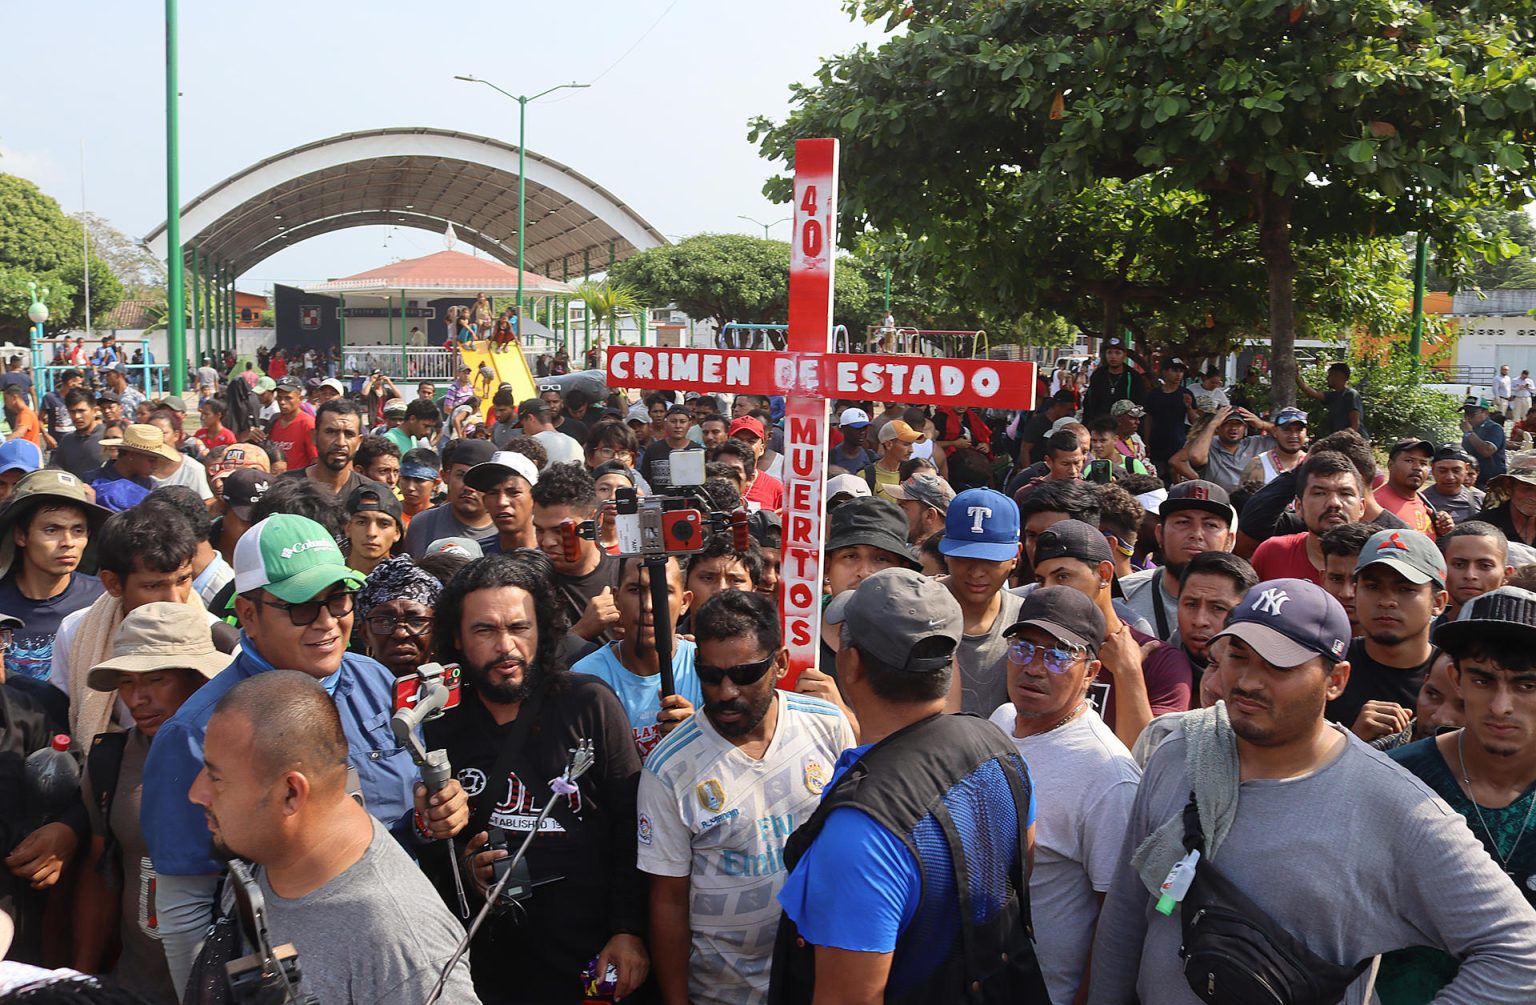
x,y
302,615
742,675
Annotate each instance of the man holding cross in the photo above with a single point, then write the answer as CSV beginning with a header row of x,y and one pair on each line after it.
x,y
810,375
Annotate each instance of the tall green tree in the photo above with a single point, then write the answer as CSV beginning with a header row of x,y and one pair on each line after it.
x,y
733,277
38,243
1297,122
1508,257
608,300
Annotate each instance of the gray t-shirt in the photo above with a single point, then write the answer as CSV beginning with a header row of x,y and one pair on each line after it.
x,y
378,934
983,661
440,522
1084,783
1463,506
1355,859
1226,468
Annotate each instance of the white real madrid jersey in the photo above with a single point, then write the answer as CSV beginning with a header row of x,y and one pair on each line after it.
x,y
711,813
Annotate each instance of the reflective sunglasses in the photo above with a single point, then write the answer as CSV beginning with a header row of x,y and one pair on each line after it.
x,y
303,615
383,624
1055,658
742,675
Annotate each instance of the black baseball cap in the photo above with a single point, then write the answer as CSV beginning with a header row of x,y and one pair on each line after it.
x,y
876,522
468,451
1066,614
1506,616
1063,397
1411,443
537,407
1201,495
374,498
1075,539
1453,452
243,488
290,384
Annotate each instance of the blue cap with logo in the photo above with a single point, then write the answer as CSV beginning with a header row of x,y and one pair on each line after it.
x,y
1290,621
981,523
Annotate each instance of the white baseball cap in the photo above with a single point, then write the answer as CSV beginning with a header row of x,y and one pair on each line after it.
x,y
852,485
857,418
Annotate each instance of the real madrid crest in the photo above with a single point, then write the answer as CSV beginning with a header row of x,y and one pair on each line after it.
x,y
711,795
815,777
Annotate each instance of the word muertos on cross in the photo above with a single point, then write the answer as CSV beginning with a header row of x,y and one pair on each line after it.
x,y
810,375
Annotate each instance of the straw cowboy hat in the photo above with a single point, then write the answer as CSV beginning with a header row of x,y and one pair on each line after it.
x,y
146,439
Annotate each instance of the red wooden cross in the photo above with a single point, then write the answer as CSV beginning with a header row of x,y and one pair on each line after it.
x,y
811,375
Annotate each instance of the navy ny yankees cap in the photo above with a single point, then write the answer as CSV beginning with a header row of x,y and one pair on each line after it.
x,y
1288,622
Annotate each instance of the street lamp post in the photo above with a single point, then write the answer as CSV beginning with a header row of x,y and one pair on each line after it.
x,y
37,313
761,224
522,117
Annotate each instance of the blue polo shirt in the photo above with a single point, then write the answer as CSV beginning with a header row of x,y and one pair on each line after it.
x,y
174,827
857,886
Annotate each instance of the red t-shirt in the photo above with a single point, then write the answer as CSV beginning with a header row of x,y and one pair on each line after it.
x,y
1286,558
222,438
1412,511
767,491
296,440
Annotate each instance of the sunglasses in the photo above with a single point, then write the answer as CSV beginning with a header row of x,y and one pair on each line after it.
x,y
1055,658
383,624
742,675
303,615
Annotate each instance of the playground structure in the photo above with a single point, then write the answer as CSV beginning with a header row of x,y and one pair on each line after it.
x,y
509,365
876,339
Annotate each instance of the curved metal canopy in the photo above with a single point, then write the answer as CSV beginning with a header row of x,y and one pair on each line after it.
x,y
412,177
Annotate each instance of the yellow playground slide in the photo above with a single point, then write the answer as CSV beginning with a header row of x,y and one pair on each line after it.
x,y
510,367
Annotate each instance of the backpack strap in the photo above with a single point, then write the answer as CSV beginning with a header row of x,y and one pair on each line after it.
x,y
104,764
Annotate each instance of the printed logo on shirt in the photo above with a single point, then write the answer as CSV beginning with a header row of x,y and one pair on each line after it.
x,y
644,830
473,781
815,777
711,795
520,807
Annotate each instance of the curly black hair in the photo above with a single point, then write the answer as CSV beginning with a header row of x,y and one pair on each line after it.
x,y
528,570
566,485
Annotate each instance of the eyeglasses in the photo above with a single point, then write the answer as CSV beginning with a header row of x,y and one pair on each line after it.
x,y
303,615
1055,658
742,675
609,453
383,624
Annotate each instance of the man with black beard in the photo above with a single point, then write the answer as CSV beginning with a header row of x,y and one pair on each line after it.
x,y
719,796
521,715
338,432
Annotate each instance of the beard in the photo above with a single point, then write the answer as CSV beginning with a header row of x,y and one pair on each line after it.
x,y
479,675
752,713
334,464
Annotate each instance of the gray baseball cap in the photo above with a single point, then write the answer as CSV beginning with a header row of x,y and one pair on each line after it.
x,y
928,489
1407,552
890,612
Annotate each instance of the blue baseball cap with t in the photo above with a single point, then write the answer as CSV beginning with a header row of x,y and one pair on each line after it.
x,y
981,523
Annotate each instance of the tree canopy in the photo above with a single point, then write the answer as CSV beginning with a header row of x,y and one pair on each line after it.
x,y
38,243
732,277
1281,132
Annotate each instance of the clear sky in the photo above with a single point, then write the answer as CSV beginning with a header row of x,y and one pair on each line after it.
x,y
663,127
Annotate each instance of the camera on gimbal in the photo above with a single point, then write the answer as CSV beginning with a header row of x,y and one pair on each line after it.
x,y
659,526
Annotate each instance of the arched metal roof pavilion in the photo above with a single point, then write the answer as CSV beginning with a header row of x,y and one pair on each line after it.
x,y
411,177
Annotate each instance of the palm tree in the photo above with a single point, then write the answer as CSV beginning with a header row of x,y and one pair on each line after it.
x,y
608,301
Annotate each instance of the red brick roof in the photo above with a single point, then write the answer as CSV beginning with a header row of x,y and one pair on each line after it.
x,y
449,269
128,315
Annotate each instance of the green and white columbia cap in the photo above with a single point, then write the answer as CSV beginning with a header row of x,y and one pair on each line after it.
x,y
291,557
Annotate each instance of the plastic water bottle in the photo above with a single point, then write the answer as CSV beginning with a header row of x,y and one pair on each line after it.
x,y
52,777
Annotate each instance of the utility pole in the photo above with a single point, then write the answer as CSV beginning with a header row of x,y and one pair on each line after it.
x,y
175,293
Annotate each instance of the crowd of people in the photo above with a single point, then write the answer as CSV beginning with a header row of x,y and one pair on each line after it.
x,y
1140,696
